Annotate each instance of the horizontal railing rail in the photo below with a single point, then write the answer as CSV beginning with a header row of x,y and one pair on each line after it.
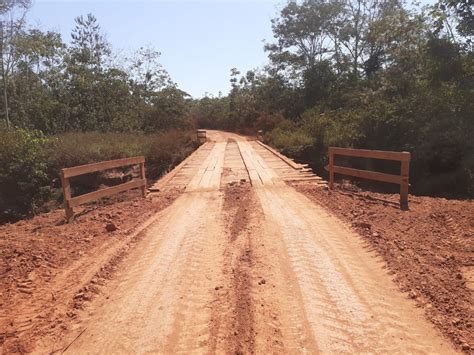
x,y
67,173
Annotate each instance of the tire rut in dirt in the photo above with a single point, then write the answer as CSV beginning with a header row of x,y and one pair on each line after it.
x,y
165,283
259,307
233,315
350,304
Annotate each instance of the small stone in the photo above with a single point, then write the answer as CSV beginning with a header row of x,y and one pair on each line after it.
x,y
110,227
262,282
465,346
375,235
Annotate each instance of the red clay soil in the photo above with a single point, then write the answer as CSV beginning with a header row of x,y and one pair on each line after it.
x,y
429,249
38,256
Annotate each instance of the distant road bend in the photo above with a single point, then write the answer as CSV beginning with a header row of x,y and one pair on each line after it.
x,y
243,263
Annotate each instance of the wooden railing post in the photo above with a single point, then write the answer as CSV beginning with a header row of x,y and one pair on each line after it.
x,y
67,197
143,177
405,173
331,168
201,136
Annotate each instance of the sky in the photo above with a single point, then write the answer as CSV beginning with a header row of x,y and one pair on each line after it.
x,y
200,40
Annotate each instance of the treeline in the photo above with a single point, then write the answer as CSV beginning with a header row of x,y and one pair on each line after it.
x,y
70,104
365,74
373,74
54,87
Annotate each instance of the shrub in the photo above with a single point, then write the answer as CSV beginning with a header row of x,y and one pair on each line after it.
x,y
30,163
24,180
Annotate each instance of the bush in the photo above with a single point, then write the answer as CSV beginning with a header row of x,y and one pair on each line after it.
x,y
290,139
30,163
24,179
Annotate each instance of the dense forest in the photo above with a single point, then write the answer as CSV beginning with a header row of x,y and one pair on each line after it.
x,y
365,74
375,74
70,104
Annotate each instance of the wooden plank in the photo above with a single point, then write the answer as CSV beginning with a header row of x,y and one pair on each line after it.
x,y
404,185
331,169
181,166
143,177
375,154
91,168
281,156
366,174
76,201
67,197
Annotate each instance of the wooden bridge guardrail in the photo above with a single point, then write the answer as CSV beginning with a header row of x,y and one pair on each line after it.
x,y
402,179
201,135
67,173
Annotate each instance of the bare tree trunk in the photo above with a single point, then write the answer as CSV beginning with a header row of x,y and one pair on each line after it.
x,y
4,77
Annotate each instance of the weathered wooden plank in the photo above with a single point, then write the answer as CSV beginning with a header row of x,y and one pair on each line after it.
x,y
76,201
331,169
375,154
366,174
67,197
404,172
143,177
282,157
181,167
110,164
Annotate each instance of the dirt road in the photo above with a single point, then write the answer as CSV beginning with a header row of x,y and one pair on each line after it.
x,y
243,263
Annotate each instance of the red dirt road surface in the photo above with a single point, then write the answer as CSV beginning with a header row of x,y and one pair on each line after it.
x,y
225,256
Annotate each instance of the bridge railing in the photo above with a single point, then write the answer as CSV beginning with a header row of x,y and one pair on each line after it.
x,y
402,179
67,173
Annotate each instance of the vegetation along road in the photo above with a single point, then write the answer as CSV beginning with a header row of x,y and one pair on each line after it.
x,y
241,262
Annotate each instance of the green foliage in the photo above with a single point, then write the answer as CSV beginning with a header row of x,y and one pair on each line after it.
x,y
30,163
363,74
57,88
293,142
23,172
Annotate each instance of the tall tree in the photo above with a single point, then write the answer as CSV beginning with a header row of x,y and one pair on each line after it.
x,y
147,74
12,22
86,65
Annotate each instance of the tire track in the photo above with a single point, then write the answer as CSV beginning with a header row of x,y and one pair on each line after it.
x,y
347,299
165,284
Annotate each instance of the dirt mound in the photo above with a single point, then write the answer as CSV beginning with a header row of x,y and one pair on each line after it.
x,y
43,257
429,249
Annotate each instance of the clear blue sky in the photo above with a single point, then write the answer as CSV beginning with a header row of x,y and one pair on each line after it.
x,y
200,40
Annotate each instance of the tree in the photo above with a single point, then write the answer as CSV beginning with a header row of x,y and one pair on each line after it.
x,y
302,33
85,73
146,73
457,18
12,23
